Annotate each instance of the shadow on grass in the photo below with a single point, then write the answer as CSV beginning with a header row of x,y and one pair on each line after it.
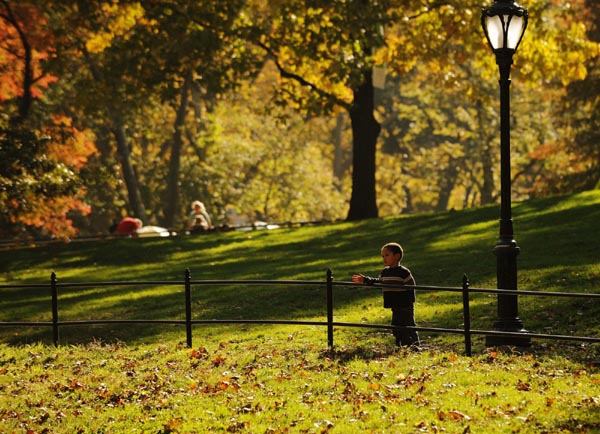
x,y
362,352
439,248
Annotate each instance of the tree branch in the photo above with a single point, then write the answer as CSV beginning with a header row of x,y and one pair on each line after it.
x,y
271,54
301,80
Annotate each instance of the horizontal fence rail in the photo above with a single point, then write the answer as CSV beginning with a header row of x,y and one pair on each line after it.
x,y
465,290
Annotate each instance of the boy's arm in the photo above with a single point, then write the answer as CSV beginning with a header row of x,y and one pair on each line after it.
x,y
360,278
371,280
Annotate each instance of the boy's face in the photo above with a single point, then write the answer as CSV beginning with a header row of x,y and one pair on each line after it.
x,y
390,259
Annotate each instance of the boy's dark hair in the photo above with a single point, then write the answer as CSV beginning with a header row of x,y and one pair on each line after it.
x,y
394,248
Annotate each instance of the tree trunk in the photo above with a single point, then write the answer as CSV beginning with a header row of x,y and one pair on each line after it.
x,y
340,162
25,100
487,186
447,185
172,199
409,208
365,130
133,191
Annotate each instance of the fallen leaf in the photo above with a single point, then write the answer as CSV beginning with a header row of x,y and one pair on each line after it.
x,y
172,425
200,353
457,415
217,361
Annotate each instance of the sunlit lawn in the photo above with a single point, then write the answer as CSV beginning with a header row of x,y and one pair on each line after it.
x,y
283,378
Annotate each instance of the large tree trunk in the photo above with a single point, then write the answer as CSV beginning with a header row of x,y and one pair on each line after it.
x,y
131,182
365,130
172,199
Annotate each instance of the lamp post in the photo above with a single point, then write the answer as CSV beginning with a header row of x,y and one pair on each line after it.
x,y
504,25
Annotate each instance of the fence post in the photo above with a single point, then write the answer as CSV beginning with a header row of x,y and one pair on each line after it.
x,y
188,307
329,309
466,314
54,292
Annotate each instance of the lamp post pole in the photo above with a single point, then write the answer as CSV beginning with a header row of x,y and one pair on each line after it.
x,y
496,22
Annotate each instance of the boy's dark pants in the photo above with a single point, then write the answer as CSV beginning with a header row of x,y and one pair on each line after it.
x,y
405,316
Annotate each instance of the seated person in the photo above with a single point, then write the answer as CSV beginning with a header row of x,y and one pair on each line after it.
x,y
128,226
199,220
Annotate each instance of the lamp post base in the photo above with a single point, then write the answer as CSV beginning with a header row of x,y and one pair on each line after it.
x,y
511,325
506,252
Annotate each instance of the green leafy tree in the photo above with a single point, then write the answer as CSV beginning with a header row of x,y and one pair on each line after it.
x,y
273,168
323,54
131,71
582,105
444,123
162,84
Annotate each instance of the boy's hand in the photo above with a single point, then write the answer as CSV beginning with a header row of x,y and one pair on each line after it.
x,y
358,278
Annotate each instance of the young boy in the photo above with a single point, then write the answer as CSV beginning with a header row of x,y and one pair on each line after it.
x,y
400,300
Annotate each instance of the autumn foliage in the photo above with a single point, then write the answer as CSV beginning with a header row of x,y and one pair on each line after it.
x,y
268,110
40,155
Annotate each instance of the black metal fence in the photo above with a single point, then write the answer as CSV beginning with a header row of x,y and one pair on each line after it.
x,y
328,284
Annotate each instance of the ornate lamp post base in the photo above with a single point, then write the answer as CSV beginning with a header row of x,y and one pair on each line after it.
x,y
506,252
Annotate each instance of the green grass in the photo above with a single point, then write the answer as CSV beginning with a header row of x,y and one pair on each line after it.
x,y
282,378
290,385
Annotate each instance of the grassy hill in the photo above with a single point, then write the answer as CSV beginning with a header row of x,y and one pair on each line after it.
x,y
283,378
558,238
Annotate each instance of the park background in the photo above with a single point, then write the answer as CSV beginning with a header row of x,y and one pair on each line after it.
x,y
276,111
268,110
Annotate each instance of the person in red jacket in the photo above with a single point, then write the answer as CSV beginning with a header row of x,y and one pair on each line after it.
x,y
128,226
401,300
